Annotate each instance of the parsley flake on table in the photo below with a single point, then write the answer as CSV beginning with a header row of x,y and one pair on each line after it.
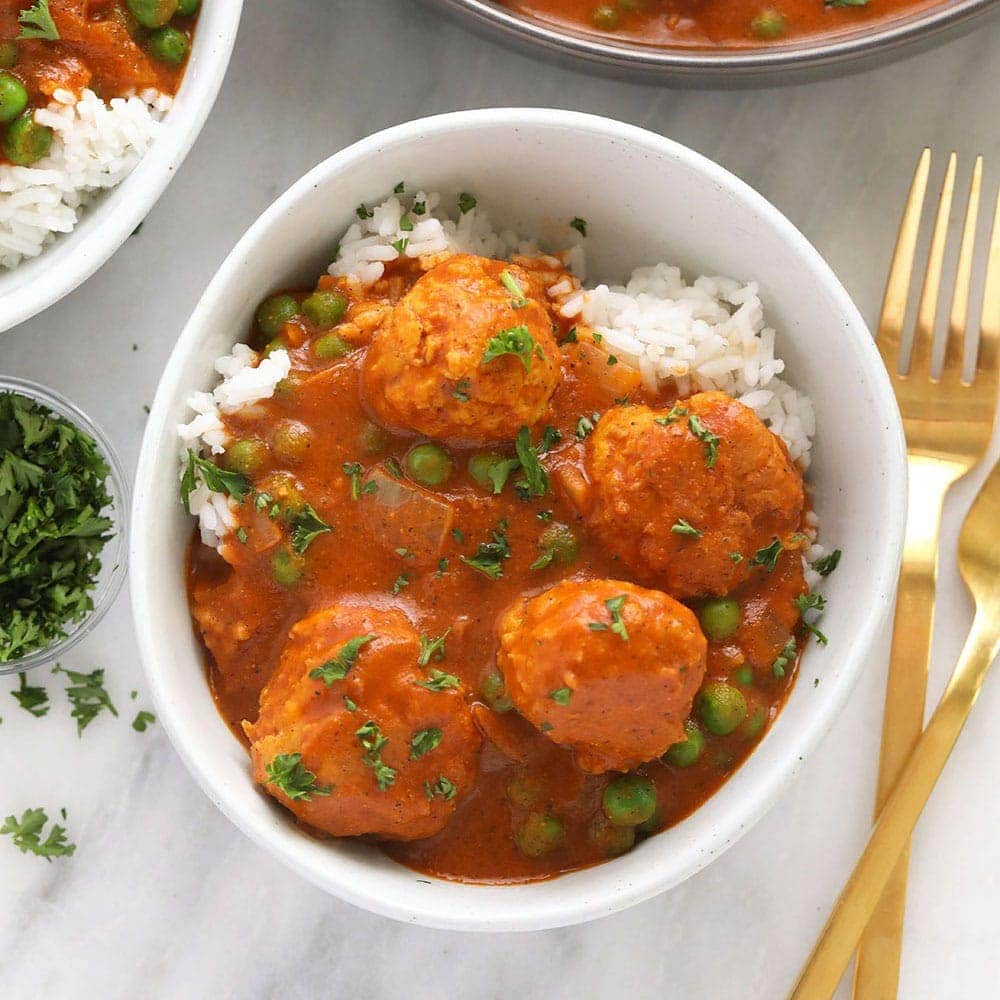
x,y
288,774
88,697
27,835
424,742
516,340
338,668
143,721
36,22
53,489
32,698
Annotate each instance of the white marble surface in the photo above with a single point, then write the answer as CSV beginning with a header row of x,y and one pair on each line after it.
x,y
164,898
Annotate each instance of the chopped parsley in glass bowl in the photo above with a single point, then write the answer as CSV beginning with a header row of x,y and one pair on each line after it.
x,y
64,503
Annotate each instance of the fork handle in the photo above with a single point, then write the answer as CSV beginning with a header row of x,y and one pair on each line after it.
x,y
825,966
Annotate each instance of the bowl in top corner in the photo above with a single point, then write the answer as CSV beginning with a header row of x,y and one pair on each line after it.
x,y
645,199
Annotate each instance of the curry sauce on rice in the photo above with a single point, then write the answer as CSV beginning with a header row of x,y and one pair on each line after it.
x,y
83,86
499,570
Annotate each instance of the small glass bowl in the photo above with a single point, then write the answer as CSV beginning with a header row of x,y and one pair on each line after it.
x,y
114,556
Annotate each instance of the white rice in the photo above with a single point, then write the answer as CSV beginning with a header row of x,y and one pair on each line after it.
x,y
94,147
709,334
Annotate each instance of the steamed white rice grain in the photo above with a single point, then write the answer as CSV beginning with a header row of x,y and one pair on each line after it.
x,y
95,146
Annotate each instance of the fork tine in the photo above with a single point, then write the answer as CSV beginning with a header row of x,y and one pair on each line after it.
x,y
923,331
954,351
989,333
897,284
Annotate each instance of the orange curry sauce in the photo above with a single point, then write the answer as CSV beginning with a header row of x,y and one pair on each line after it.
x,y
414,565
717,24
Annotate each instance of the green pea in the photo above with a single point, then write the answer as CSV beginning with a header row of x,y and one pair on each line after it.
x,y
769,23
722,707
743,676
325,309
274,312
524,791
629,800
287,568
494,692
168,45
538,835
752,725
291,441
560,540
609,839
153,13
605,17
652,825
373,439
25,141
8,54
428,464
188,8
482,466
720,618
331,346
13,97
685,753
275,344
246,456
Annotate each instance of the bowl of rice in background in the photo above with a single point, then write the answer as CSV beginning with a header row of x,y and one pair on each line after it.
x,y
691,276
63,217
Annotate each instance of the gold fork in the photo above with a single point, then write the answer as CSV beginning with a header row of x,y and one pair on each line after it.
x,y
979,561
948,423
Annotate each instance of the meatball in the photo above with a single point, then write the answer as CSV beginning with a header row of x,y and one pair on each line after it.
x,y
604,667
433,366
390,757
686,497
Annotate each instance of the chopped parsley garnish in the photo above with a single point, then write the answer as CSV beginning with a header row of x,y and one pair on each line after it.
x,y
370,737
458,535
27,835
707,438
767,556
612,359
489,556
499,472
439,681
461,390
517,292
338,668
87,696
546,727
403,553
400,583
516,340
350,704
586,425
443,787
571,336
846,3
419,208
31,698
432,649
394,467
143,721
676,412
812,602
307,526
363,212
614,606
442,567
400,245
466,202
682,527
535,482
53,487
544,560
424,741
399,188
786,656
561,696
36,22
288,774
580,225
241,535
828,563
544,515
354,471
217,479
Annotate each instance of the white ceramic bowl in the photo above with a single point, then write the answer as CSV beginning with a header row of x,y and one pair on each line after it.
x,y
36,284
645,199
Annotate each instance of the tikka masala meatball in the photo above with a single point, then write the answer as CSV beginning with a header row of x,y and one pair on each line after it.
x,y
467,355
604,667
686,497
388,747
